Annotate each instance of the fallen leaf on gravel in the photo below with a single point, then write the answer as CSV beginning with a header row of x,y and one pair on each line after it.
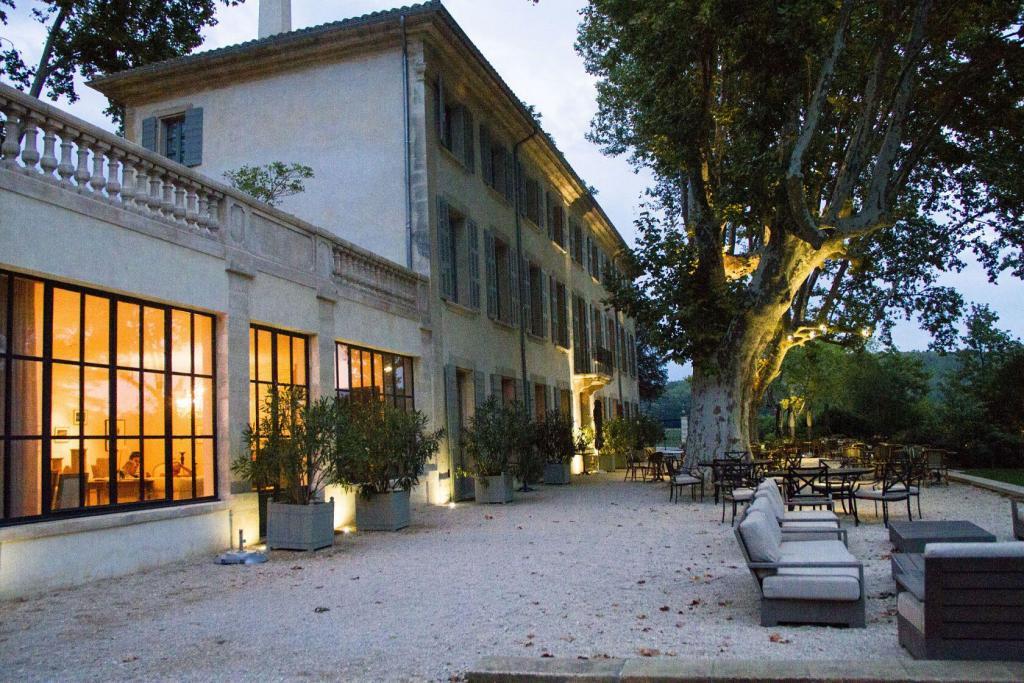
x,y
296,567
546,654
645,629
321,610
530,636
777,638
528,644
354,578
648,652
663,608
641,616
695,602
724,603
678,625
129,658
488,516
889,613
641,582
582,657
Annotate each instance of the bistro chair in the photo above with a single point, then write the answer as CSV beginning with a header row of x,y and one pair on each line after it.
x,y
938,467
800,485
636,463
893,487
680,478
737,485
655,465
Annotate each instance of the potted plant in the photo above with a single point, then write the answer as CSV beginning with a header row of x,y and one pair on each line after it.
x,y
619,441
381,450
491,446
583,442
290,453
527,460
554,439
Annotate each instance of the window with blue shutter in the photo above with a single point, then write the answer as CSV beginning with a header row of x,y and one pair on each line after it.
x,y
513,288
491,273
486,158
545,298
510,176
473,256
526,294
149,129
468,146
192,152
444,249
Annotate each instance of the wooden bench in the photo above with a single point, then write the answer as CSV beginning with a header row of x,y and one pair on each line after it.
x,y
970,605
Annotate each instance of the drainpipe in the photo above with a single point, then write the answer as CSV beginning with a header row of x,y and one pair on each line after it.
x,y
519,255
408,144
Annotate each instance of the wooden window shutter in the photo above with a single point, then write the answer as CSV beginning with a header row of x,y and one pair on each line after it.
x,y
149,128
469,146
496,388
524,284
473,255
486,161
458,129
444,246
545,303
451,403
549,214
442,123
553,290
193,144
510,176
521,189
491,273
513,288
479,387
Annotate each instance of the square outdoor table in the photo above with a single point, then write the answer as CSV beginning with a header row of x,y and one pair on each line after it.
x,y
912,537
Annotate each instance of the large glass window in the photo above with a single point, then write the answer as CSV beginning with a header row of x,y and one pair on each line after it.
x,y
364,374
105,401
277,360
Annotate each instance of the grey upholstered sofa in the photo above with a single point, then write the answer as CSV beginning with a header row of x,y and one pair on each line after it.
x,y
972,606
769,490
1018,520
801,581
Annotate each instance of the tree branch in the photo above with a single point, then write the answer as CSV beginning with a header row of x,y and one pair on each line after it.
x,y
804,223
43,70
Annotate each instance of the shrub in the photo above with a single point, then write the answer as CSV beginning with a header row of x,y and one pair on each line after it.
x,y
553,437
649,431
380,447
496,437
291,448
620,436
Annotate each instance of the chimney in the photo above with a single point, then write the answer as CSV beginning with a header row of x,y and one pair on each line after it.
x,y
275,17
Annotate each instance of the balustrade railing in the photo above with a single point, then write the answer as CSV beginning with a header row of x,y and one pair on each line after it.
x,y
77,155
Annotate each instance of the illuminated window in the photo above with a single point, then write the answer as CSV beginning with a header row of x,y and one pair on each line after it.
x,y
277,360
105,401
364,374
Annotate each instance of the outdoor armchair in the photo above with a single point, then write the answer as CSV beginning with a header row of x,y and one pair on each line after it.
x,y
893,487
680,478
806,582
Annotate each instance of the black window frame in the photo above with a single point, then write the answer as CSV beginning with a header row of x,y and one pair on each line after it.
x,y
47,433
406,400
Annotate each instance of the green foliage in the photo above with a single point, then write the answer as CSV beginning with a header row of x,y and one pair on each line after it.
x,y
673,403
380,447
272,182
817,163
89,38
554,438
649,431
652,376
497,438
982,413
291,449
620,437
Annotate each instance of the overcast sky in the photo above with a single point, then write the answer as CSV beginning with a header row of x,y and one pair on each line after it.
x,y
532,48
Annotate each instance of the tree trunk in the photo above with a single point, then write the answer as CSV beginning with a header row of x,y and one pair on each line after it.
x,y
719,413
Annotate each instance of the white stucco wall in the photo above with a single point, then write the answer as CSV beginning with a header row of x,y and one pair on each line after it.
x,y
343,119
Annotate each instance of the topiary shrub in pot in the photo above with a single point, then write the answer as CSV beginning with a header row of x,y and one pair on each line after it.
x,y
381,451
290,452
491,443
554,441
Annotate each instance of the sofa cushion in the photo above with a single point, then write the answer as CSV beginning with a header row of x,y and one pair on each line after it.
x,y
812,524
778,509
815,551
823,584
1005,549
761,536
810,516
911,609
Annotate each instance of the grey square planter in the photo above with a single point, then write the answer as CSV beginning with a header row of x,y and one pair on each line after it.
x,y
557,473
606,461
494,489
300,527
382,511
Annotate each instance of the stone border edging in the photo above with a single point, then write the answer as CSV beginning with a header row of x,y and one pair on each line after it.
x,y
670,670
1011,490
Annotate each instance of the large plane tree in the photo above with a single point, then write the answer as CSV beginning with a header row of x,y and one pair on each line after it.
x,y
819,163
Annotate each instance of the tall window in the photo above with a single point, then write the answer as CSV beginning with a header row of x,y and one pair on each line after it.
x,y
459,244
496,164
364,374
556,221
105,401
174,138
576,240
502,271
581,334
277,360
455,127
538,298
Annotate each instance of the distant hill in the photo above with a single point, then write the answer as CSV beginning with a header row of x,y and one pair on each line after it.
x,y
676,398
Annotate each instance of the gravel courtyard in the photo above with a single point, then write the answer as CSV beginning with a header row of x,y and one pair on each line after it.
x,y
598,569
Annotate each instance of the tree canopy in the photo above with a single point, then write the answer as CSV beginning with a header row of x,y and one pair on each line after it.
x,y
818,165
88,38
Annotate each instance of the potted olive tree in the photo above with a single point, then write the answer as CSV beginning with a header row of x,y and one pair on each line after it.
x,y
619,441
290,452
381,451
491,444
553,435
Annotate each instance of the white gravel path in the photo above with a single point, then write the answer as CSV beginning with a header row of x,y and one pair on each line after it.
x,y
600,568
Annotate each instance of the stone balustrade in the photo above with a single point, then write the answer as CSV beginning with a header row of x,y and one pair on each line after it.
x,y
91,161
55,147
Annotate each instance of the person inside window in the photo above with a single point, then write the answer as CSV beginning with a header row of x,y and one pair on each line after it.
x,y
133,468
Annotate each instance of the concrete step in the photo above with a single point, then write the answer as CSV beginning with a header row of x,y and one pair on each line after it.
x,y
672,670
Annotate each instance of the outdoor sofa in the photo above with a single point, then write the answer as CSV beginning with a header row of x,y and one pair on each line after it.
x,y
1018,520
804,581
769,490
972,605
